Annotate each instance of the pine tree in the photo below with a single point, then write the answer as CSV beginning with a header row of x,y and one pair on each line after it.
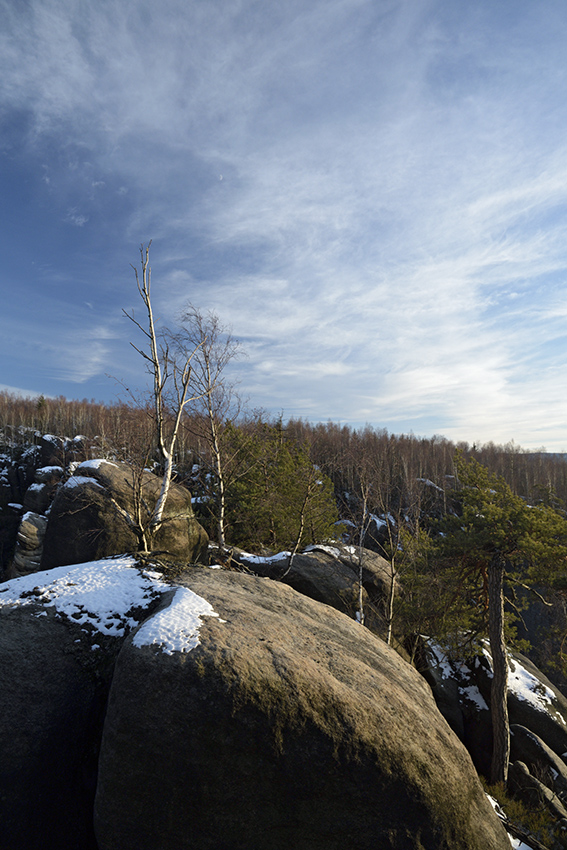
x,y
498,540
281,500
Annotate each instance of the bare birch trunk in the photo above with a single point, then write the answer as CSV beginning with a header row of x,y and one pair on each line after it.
x,y
499,689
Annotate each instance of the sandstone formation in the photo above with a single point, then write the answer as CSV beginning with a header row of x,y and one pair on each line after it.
x,y
330,574
537,712
56,661
289,725
94,515
29,546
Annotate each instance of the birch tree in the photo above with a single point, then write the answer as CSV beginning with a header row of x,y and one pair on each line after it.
x,y
216,401
171,375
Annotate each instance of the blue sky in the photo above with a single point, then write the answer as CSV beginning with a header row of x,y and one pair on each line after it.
x,y
372,193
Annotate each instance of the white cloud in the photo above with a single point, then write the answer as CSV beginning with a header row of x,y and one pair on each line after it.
x,y
19,391
388,233
76,218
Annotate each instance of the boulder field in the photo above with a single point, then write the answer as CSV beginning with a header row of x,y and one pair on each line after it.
x,y
227,712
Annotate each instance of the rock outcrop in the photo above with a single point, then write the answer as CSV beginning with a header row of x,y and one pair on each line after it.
x,y
94,514
39,495
29,545
330,574
289,725
241,715
537,712
60,632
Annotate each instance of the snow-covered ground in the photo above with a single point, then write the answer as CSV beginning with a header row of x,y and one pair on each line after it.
x,y
104,594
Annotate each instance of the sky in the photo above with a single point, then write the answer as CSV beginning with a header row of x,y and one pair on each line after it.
x,y
372,195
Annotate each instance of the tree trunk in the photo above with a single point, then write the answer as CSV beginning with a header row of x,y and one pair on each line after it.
x,y
499,689
217,459
390,605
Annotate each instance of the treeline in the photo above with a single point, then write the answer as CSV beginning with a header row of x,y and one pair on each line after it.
x,y
393,469
398,465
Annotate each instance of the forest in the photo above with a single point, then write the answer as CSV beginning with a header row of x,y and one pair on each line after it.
x,y
397,472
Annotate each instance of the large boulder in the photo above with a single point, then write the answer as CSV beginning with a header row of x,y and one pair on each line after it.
x,y
461,689
533,700
455,689
535,792
52,450
278,723
60,632
331,574
40,494
94,514
527,747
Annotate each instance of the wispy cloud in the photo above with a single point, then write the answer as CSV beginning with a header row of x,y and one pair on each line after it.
x,y
388,233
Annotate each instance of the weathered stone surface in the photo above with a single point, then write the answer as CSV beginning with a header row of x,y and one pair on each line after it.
x,y
50,475
40,493
51,709
527,747
533,701
330,574
52,450
29,545
288,726
459,699
37,498
533,791
462,693
54,678
93,516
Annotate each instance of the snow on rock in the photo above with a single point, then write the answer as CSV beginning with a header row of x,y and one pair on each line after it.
x,y
459,671
103,594
96,463
79,480
176,628
263,559
527,687
35,487
321,547
99,593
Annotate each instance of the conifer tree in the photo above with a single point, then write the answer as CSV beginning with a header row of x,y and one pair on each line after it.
x,y
281,500
501,540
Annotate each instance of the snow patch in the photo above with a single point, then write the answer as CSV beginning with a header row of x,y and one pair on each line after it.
x,y
78,480
527,687
96,463
330,550
264,559
461,673
176,628
101,594
516,843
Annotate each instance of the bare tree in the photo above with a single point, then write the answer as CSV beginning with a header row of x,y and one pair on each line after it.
x,y
171,372
216,401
